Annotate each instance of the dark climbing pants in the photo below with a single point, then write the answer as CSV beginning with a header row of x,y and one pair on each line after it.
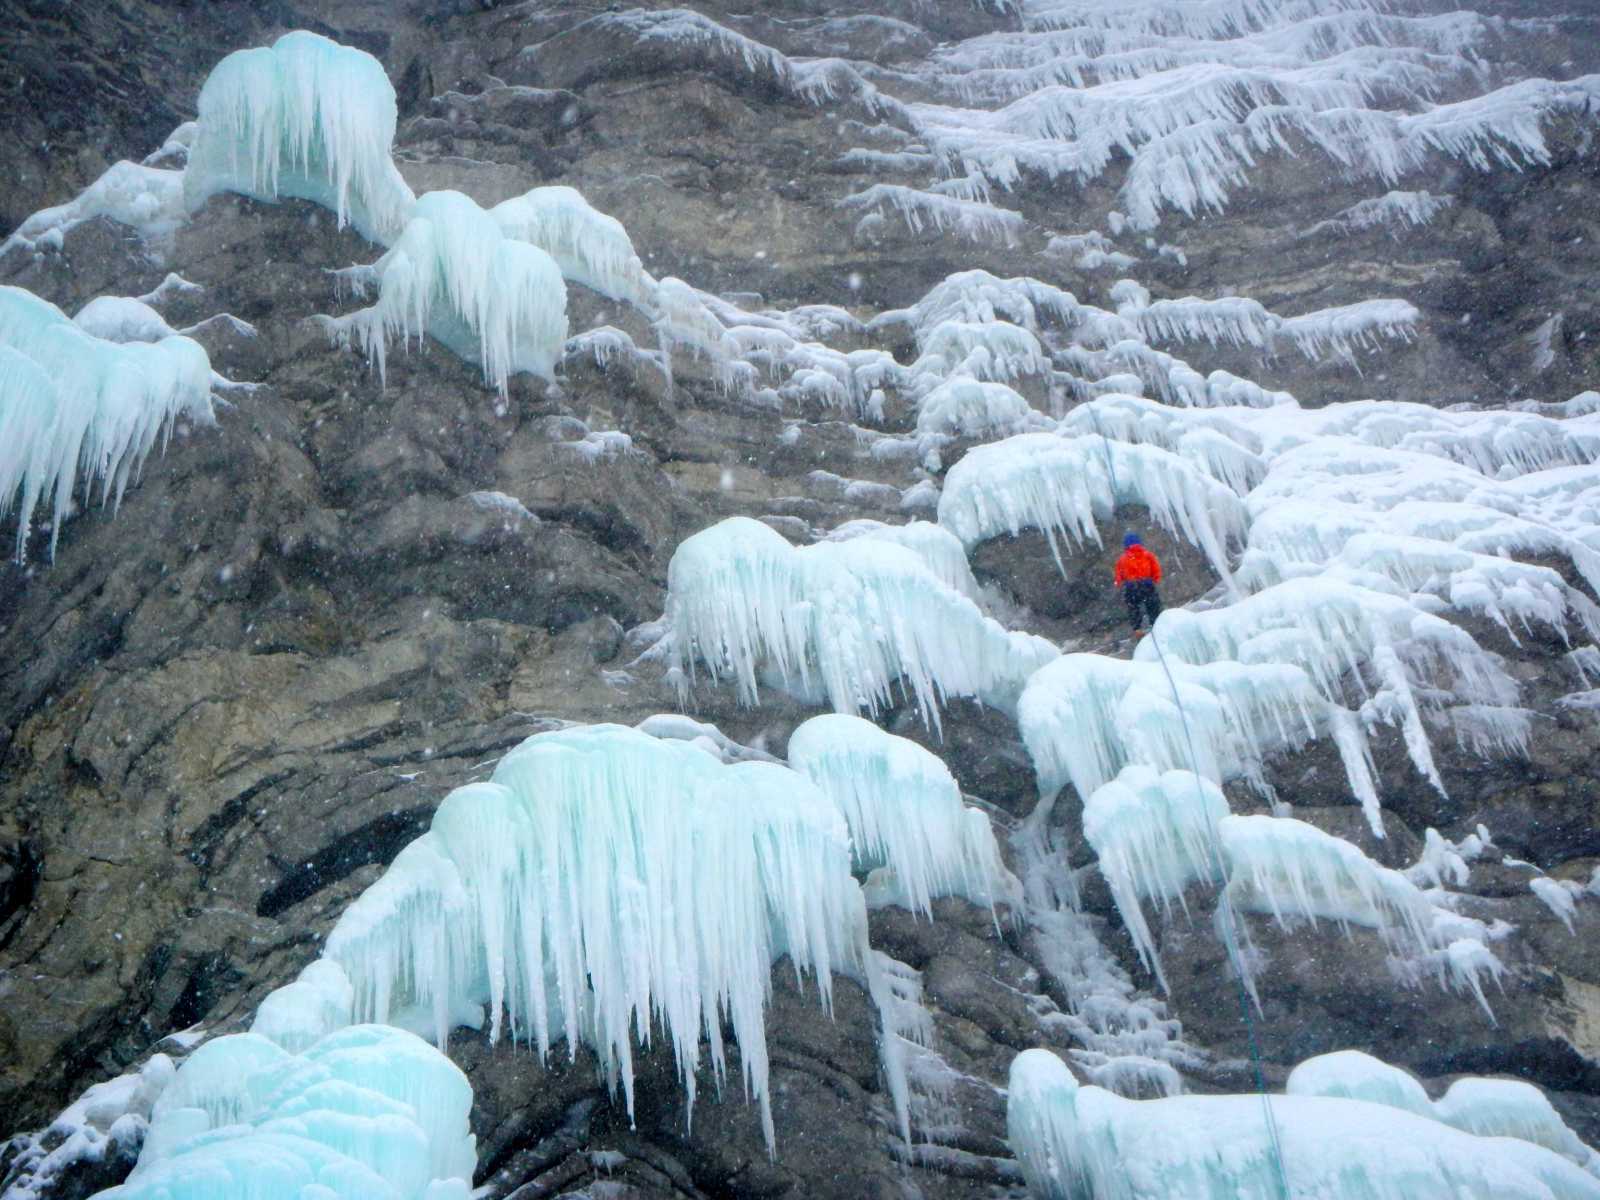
x,y
1143,601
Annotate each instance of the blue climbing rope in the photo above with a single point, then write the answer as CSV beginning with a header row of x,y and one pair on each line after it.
x,y
1227,916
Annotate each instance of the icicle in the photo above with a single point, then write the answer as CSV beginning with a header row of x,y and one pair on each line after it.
x,y
1154,834
1068,486
590,247
1084,718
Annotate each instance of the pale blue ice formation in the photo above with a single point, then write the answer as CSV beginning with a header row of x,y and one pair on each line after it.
x,y
452,273
1084,718
1084,1143
1509,1108
369,1112
568,898
590,247
148,199
1067,487
1344,635
1156,834
940,550
848,623
1354,1075
79,414
904,812
304,118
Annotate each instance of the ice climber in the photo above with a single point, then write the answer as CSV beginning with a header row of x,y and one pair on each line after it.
x,y
1137,573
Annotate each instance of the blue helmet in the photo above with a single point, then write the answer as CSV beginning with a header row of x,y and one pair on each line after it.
x,y
1130,539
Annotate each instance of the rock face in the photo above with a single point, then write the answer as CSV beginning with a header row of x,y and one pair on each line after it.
x,y
226,706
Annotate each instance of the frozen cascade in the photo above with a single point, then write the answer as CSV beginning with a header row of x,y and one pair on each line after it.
x,y
1294,871
590,247
904,812
974,220
844,623
1156,834
77,409
1399,210
1487,1107
971,408
454,275
1337,632
1128,1041
566,896
1220,445
1240,321
994,350
1216,19
977,297
1084,718
304,118
1084,1143
367,1113
940,550
1069,486
1170,378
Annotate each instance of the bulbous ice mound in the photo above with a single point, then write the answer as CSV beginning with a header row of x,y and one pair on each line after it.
x,y
76,409
367,1113
305,118
1085,1143
1486,1107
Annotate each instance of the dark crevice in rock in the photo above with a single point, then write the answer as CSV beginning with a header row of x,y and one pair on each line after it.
x,y
1549,1062
375,842
20,868
213,977
208,837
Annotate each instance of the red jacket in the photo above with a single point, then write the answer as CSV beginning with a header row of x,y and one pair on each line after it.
x,y
1135,564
